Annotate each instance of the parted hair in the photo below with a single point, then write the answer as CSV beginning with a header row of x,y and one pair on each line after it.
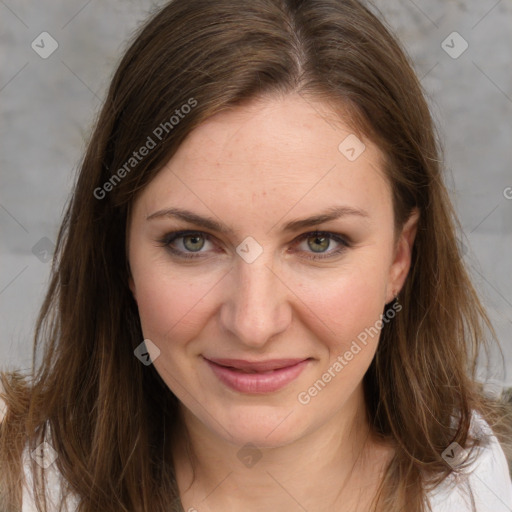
x,y
111,419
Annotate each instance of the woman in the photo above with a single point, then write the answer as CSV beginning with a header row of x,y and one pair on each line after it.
x,y
257,299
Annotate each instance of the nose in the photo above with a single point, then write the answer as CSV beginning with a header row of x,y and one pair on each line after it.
x,y
256,306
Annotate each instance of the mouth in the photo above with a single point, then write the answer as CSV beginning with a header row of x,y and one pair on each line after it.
x,y
257,376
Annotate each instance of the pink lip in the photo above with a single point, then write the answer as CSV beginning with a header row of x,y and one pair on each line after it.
x,y
266,376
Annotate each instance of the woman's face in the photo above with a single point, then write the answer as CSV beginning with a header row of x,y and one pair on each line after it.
x,y
264,328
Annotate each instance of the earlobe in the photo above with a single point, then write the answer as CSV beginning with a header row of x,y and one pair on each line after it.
x,y
403,253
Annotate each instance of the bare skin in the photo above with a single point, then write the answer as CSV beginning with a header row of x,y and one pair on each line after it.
x,y
255,169
331,479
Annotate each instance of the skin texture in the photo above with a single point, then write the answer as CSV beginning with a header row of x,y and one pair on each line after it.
x,y
254,169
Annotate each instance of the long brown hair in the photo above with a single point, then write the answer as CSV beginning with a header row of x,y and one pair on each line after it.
x,y
110,418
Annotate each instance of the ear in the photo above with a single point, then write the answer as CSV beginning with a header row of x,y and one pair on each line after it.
x,y
402,256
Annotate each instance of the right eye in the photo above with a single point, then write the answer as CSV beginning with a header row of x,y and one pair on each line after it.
x,y
186,244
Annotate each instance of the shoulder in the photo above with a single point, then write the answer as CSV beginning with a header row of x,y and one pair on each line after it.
x,y
486,482
45,456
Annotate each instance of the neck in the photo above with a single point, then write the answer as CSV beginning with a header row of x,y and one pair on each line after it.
x,y
320,466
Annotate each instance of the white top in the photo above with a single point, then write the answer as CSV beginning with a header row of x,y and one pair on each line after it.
x,y
488,477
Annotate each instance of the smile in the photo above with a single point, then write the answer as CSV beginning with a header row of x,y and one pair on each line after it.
x,y
256,377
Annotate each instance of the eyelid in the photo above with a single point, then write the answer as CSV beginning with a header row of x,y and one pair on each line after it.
x,y
167,239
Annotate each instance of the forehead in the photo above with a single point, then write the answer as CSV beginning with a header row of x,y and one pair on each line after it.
x,y
290,151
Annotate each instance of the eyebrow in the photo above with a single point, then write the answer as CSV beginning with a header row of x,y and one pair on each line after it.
x,y
332,213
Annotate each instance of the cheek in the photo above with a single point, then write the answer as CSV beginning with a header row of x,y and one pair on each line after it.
x,y
346,302
348,325
170,305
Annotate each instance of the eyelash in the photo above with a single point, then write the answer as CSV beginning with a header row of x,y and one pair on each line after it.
x,y
167,240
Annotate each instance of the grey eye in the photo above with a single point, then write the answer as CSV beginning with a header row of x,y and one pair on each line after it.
x,y
193,243
318,243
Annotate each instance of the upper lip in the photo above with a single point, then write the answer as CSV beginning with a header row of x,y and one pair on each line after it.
x,y
256,366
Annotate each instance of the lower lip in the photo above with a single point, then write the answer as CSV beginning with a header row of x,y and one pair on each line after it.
x,y
257,383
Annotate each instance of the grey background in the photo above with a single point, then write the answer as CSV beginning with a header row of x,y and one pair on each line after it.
x,y
48,107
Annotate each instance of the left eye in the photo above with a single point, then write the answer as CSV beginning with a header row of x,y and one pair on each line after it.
x,y
193,242
318,242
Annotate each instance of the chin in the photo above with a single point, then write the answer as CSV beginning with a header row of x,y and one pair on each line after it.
x,y
260,426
